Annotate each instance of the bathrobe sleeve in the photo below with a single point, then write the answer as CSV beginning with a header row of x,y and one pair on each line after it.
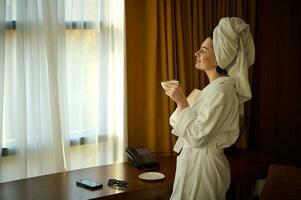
x,y
197,128
191,97
173,118
172,121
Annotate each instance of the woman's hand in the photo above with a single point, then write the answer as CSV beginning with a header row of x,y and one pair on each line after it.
x,y
175,92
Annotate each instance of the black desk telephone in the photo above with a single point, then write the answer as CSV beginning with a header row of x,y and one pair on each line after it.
x,y
141,158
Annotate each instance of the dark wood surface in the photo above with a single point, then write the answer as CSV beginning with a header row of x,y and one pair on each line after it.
x,y
63,185
246,168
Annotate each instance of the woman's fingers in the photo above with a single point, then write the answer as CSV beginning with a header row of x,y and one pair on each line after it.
x,y
170,91
170,87
174,92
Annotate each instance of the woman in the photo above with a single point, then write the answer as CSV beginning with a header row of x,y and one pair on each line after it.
x,y
210,123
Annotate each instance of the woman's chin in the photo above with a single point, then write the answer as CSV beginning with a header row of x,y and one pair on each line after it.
x,y
198,66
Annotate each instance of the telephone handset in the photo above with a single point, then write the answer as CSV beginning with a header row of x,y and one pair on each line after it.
x,y
141,158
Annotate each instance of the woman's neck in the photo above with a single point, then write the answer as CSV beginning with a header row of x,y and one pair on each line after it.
x,y
212,75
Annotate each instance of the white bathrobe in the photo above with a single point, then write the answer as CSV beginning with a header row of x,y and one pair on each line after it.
x,y
204,128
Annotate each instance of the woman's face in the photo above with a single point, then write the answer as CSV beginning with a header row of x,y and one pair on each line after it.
x,y
205,58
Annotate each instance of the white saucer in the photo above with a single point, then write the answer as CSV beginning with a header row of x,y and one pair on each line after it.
x,y
151,176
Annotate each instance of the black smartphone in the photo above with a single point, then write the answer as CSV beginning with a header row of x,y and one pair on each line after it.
x,y
89,184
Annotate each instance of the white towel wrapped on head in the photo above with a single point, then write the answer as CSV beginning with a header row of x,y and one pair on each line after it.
x,y
234,51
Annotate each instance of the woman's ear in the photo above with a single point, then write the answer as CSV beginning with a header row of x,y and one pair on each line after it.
x,y
216,63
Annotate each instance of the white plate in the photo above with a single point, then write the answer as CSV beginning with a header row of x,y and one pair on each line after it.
x,y
151,176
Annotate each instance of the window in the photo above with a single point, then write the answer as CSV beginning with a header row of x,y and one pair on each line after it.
x,y
72,94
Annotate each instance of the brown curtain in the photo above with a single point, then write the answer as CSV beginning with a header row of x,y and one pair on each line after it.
x,y
161,38
276,108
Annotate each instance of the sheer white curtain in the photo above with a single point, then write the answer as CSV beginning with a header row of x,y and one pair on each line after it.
x,y
2,57
95,79
62,85
31,114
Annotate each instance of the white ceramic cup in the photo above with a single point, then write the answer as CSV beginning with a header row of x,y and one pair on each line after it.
x,y
171,82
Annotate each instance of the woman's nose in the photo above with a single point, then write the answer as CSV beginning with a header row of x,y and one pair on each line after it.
x,y
197,53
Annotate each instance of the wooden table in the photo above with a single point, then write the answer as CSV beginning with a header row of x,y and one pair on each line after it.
x,y
245,167
63,185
